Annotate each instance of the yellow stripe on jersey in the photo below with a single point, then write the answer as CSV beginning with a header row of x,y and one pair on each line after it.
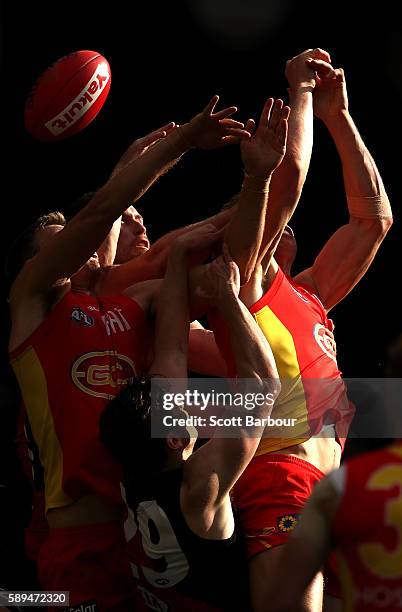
x,y
32,381
291,403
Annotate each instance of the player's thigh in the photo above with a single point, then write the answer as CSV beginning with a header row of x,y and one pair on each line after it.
x,y
261,569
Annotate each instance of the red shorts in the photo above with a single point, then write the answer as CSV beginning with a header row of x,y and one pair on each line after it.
x,y
89,561
269,498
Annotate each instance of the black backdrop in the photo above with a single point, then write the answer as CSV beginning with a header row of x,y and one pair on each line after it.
x,y
166,63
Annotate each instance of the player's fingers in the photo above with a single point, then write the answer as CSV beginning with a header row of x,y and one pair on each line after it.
x,y
323,69
209,109
282,132
266,111
239,133
321,54
276,114
226,112
285,112
231,123
250,126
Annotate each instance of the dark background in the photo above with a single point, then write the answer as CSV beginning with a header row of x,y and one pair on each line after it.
x,y
167,60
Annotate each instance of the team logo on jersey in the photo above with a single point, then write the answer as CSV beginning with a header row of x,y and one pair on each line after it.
x,y
325,340
102,373
287,522
80,317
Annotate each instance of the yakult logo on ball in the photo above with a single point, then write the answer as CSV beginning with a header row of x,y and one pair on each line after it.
x,y
82,103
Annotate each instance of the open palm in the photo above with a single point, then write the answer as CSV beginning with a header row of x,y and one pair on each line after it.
x,y
264,151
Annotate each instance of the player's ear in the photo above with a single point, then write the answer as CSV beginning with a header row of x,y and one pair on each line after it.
x,y
173,442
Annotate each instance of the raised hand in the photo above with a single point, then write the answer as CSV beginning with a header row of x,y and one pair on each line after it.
x,y
264,151
330,96
209,130
141,145
222,279
299,73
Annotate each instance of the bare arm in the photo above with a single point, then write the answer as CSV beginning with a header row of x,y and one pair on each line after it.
x,y
204,357
348,254
212,471
305,553
152,264
71,248
261,155
107,251
288,180
172,308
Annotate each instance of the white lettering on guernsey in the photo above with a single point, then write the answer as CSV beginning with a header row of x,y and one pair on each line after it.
x,y
115,317
82,103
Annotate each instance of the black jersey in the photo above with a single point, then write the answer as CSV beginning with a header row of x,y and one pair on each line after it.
x,y
177,570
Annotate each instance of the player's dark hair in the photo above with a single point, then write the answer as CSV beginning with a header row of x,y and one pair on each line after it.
x,y
24,246
125,430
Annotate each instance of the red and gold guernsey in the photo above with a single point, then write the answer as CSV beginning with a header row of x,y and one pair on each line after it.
x,y
68,369
296,326
367,530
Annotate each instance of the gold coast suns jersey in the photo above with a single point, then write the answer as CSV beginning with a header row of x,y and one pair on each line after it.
x,y
68,369
313,395
367,530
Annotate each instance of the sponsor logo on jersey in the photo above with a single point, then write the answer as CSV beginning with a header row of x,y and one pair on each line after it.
x,y
325,340
287,522
81,103
102,373
80,317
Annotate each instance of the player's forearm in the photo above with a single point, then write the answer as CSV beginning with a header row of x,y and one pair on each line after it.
x,y
288,180
164,243
172,318
245,229
366,196
360,172
107,250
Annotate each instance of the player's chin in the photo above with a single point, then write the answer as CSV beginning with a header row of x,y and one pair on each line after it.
x,y
139,249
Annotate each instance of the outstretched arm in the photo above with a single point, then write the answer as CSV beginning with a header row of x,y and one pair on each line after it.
x,y
348,254
107,250
261,155
288,180
66,252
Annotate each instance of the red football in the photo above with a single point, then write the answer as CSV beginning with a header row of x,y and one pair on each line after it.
x,y
68,96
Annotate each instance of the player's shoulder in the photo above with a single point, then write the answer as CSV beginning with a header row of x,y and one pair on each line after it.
x,y
144,293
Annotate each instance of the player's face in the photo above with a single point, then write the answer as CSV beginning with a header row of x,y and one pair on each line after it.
x,y
286,250
133,240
